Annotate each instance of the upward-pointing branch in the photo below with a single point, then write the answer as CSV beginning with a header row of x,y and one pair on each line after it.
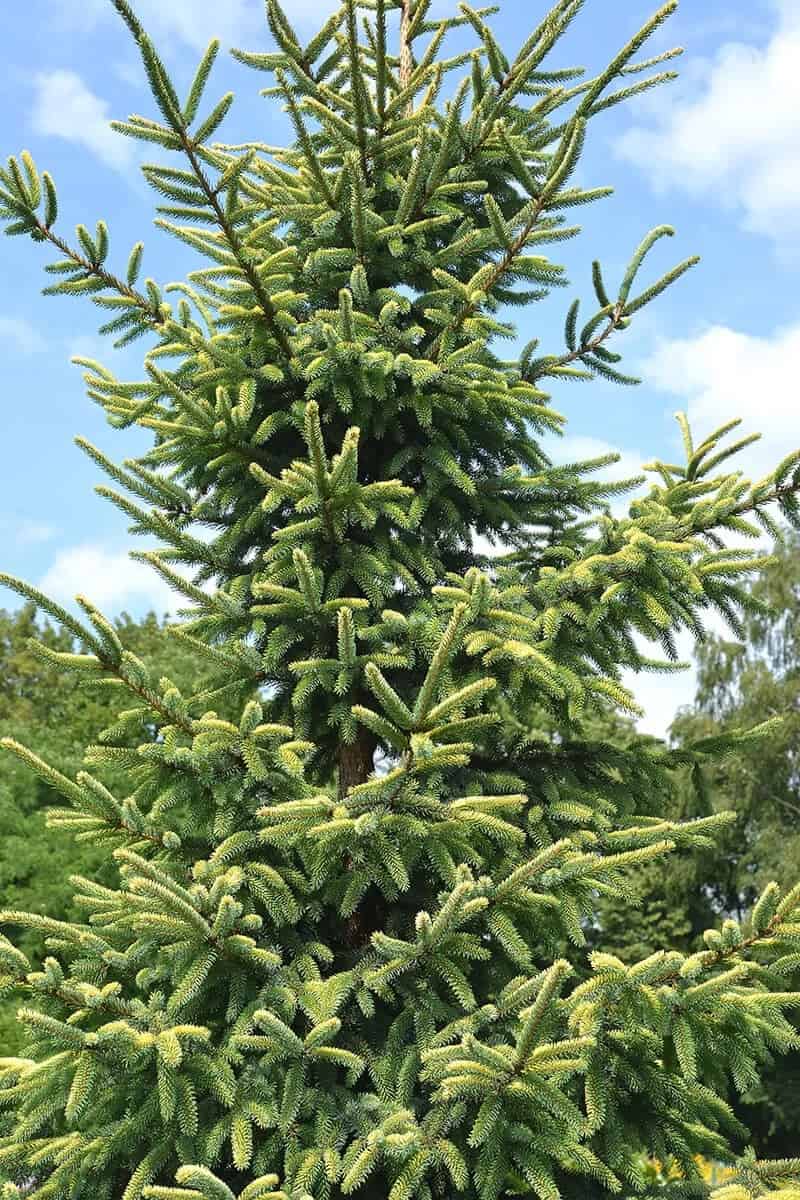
x,y
167,99
406,58
232,237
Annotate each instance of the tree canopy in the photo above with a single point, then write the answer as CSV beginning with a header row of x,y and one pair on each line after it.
x,y
345,947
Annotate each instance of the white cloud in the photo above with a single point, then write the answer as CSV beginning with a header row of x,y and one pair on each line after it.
x,y
24,531
238,23
734,135
31,532
581,448
24,336
722,373
235,22
719,374
65,107
109,578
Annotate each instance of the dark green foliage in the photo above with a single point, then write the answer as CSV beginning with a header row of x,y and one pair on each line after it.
x,y
361,964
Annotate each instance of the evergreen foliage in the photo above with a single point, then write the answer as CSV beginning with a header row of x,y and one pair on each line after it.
x,y
738,684
358,973
58,713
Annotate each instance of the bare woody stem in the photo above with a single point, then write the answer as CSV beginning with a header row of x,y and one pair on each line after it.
x,y
232,238
563,360
100,272
497,274
406,57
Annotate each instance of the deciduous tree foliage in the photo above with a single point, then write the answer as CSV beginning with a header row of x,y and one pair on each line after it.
x,y
739,683
59,713
357,986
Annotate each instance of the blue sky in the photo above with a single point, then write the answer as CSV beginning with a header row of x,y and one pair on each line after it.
x,y
717,155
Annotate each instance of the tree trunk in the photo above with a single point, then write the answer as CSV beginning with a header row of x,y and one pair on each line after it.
x,y
355,761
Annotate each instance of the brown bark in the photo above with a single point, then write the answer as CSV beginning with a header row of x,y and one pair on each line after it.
x,y
406,59
355,761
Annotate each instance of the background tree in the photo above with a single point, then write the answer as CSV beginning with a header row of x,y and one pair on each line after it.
x,y
740,682
360,985
60,713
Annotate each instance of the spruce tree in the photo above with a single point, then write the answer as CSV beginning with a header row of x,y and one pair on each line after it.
x,y
345,949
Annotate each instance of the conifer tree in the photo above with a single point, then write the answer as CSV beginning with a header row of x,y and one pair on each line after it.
x,y
344,954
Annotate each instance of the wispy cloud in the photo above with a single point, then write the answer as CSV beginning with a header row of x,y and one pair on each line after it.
x,y
26,532
20,334
234,22
192,23
733,136
187,21
65,107
109,578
